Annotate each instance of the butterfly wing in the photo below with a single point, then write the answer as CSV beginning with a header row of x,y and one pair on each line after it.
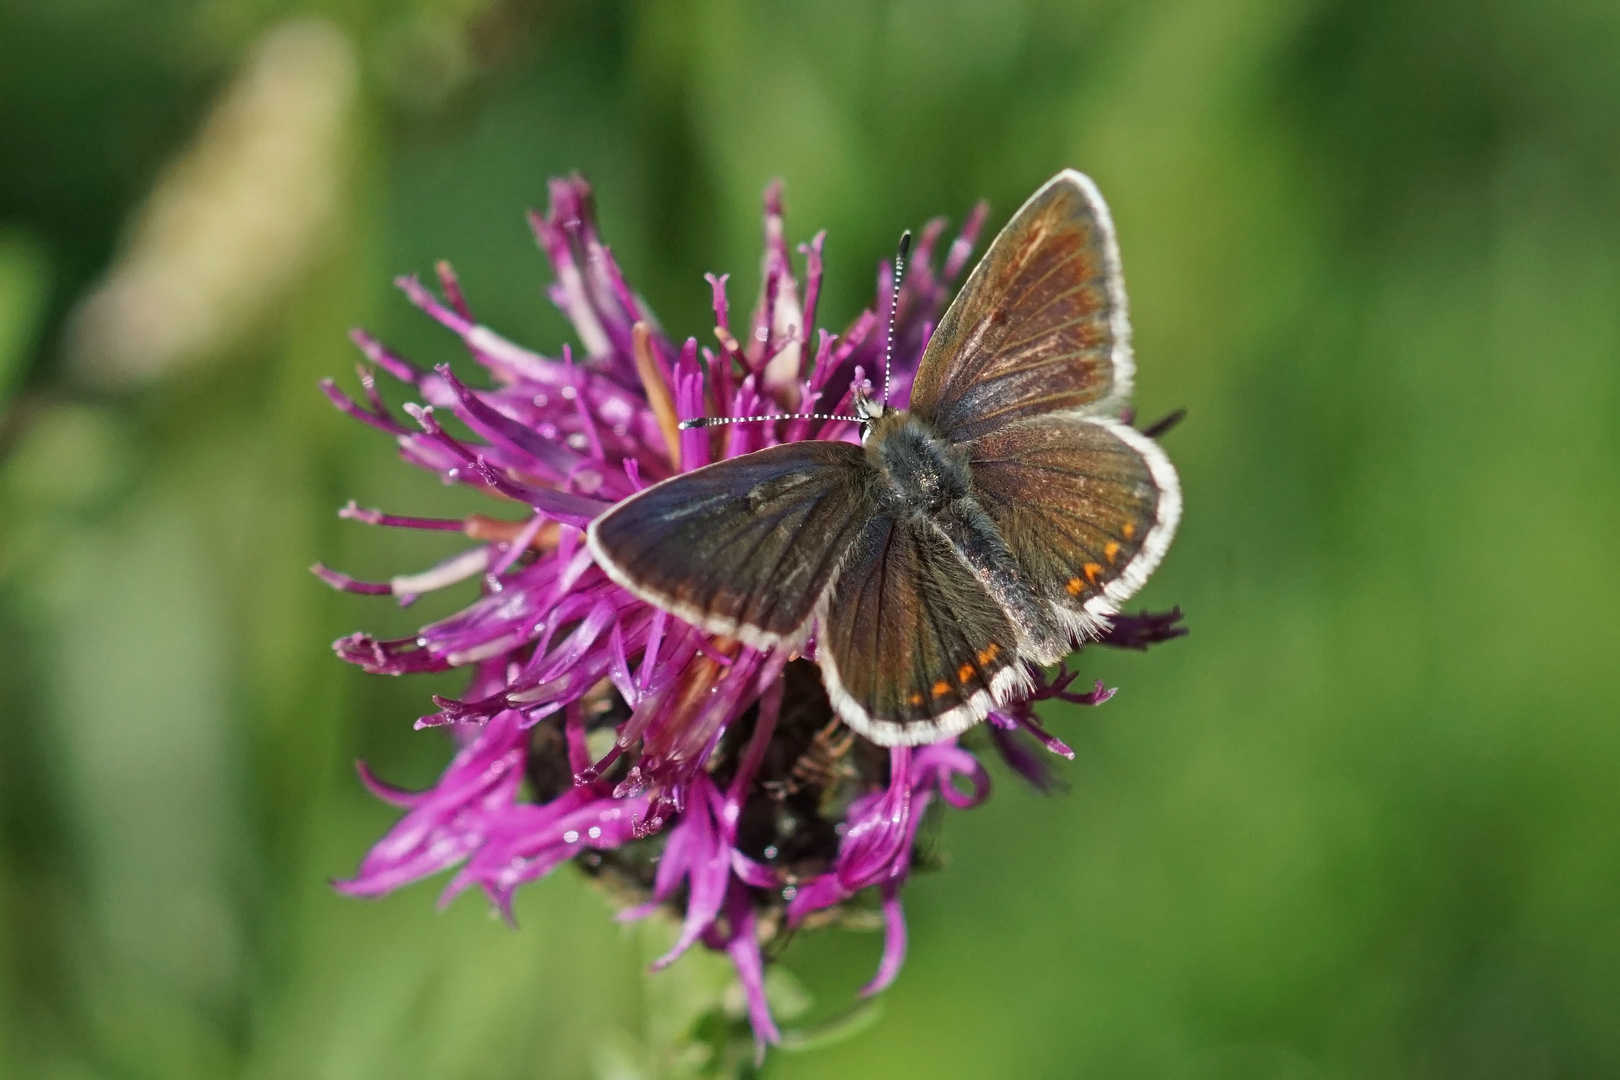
x,y
911,646
1086,505
1041,324
743,547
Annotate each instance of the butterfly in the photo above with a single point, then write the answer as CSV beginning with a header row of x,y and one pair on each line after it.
x,y
995,523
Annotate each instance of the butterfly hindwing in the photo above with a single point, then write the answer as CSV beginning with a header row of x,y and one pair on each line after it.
x,y
1040,325
1086,505
912,648
745,546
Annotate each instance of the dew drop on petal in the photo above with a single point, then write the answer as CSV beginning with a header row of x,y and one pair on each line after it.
x,y
571,836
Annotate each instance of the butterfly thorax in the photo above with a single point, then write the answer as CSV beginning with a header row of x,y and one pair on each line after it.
x,y
924,473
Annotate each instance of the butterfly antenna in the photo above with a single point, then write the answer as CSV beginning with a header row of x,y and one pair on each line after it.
x,y
894,310
716,421
888,357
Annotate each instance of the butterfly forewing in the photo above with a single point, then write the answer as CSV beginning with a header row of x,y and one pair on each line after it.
x,y
912,648
745,546
1086,505
1041,324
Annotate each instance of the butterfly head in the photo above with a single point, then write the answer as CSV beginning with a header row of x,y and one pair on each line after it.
x,y
869,410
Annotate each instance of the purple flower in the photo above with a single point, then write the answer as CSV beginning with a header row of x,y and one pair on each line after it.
x,y
683,770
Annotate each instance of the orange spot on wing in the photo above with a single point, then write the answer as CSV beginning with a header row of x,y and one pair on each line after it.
x,y
989,653
942,687
916,699
964,673
1128,530
1092,570
1110,550
1075,586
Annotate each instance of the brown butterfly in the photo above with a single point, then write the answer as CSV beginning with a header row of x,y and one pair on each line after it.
x,y
996,523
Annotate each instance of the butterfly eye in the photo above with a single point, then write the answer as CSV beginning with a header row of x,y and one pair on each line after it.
x,y
868,411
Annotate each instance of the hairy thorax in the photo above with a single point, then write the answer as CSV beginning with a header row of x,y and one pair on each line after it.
x,y
922,471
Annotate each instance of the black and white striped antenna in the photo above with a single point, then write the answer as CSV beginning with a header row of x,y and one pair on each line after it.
x,y
888,357
717,421
894,310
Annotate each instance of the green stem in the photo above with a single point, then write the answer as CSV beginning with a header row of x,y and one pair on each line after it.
x,y
694,1024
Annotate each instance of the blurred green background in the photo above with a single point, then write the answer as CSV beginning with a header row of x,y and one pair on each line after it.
x,y
1363,823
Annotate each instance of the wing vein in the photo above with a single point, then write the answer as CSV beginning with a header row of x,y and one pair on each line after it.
x,y
1055,267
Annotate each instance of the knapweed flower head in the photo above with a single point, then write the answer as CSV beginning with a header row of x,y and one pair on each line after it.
x,y
685,770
